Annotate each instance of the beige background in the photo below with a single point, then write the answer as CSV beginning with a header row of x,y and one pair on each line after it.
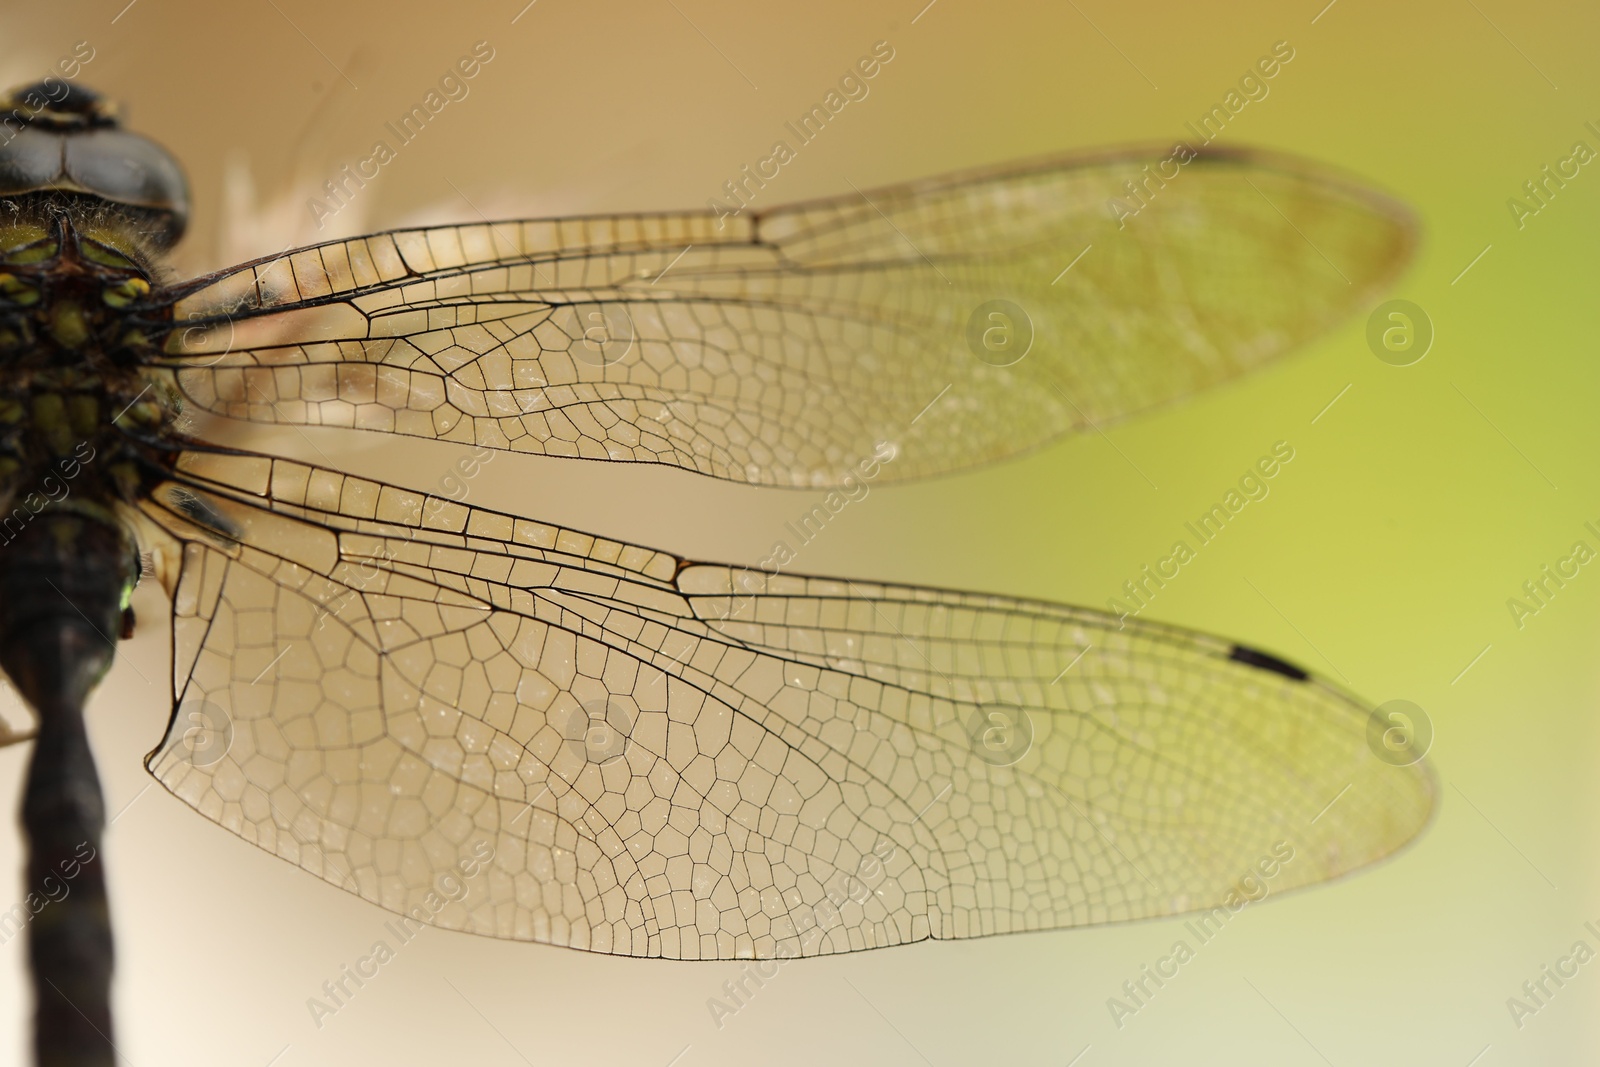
x,y
1392,543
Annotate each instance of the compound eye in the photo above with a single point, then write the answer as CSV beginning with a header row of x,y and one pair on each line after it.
x,y
128,169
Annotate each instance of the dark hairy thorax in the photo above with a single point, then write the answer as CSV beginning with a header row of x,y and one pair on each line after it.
x,y
80,422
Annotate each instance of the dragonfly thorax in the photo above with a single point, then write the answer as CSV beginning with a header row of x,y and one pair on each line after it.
x,y
73,283
73,330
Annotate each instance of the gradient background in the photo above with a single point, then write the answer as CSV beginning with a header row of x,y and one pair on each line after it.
x,y
1414,507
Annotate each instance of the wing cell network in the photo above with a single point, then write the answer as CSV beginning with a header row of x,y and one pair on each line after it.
x,y
783,347
495,725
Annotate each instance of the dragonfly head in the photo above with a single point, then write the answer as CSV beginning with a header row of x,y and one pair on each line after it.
x,y
57,137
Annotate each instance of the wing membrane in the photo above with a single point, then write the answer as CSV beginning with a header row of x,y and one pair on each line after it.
x,y
499,726
784,347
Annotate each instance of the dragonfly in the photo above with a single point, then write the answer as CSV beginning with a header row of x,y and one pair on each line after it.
x,y
483,722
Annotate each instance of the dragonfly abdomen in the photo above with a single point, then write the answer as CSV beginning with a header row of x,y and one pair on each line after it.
x,y
64,585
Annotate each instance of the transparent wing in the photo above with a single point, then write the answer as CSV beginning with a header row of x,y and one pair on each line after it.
x,y
494,725
1007,307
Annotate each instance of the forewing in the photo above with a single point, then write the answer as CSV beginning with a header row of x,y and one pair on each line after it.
x,y
498,726
968,318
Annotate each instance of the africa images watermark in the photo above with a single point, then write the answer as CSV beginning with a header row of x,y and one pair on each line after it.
x,y
50,90
810,924
1537,992
51,490
1252,86
1205,927
1538,591
1542,189
449,887
454,86
852,87
1152,578
51,890
852,488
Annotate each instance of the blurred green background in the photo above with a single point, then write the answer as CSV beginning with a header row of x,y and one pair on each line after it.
x,y
1415,507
